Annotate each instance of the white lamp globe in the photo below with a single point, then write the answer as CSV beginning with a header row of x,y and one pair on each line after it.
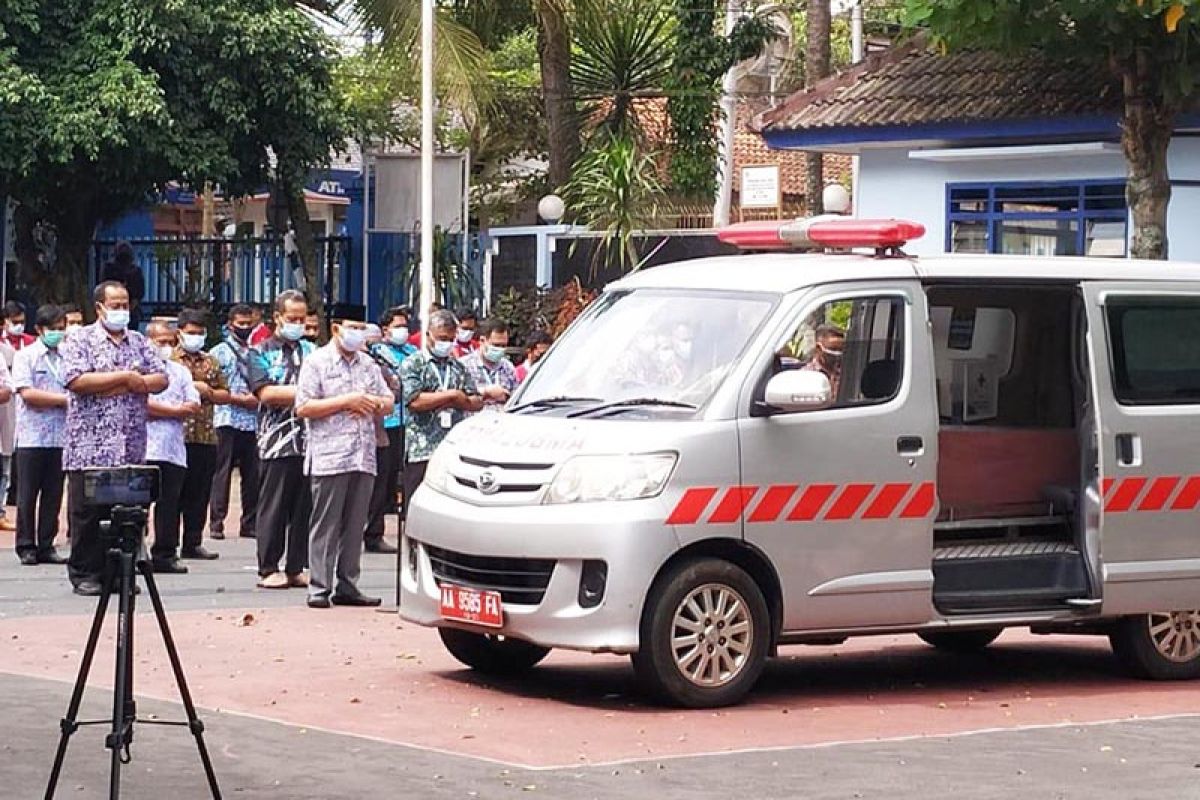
x,y
551,208
836,199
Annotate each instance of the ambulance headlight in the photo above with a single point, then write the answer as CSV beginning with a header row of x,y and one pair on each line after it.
x,y
437,473
586,479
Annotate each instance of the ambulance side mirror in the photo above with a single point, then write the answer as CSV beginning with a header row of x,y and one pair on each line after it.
x,y
798,390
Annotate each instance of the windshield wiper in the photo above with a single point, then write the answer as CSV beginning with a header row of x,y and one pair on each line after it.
x,y
550,402
633,401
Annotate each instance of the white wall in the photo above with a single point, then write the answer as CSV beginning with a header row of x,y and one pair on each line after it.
x,y
893,185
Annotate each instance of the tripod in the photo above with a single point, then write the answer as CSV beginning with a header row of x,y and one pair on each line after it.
x,y
125,558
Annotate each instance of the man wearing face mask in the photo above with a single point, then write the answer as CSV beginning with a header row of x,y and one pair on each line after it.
x,y
284,499
236,424
341,392
13,340
390,354
198,432
74,318
494,375
827,355
41,416
108,371
165,448
312,328
437,393
466,339
14,326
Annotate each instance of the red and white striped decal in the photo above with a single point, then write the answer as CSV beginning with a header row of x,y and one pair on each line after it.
x,y
1140,493
818,502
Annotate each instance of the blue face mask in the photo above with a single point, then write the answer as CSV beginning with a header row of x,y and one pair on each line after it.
x,y
442,349
352,338
493,353
192,342
116,319
398,336
292,331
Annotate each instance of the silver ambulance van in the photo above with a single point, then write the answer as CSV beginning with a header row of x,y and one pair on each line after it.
x,y
730,454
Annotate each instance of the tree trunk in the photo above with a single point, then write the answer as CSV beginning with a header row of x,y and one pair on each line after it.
x,y
1146,129
816,66
306,249
554,54
52,260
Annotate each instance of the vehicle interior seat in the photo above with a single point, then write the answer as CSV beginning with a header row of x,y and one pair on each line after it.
x,y
880,379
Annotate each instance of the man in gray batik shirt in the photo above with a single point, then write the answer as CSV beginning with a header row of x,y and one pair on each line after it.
x,y
341,393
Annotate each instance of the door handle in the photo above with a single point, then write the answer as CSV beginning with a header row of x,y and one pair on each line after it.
x,y
910,446
1129,450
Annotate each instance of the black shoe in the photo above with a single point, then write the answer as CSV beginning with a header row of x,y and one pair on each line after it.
x,y
380,546
250,535
318,601
356,600
28,558
50,557
168,566
199,553
218,535
89,589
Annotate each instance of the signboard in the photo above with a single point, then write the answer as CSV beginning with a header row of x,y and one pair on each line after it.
x,y
760,186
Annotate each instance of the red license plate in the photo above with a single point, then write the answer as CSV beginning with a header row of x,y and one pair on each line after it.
x,y
477,606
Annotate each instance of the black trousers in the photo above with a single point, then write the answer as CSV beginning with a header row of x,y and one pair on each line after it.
x,y
12,497
193,504
166,510
83,526
284,507
235,449
414,476
388,461
39,498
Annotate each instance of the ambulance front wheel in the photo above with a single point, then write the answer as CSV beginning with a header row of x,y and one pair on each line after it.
x,y
705,635
1162,646
491,654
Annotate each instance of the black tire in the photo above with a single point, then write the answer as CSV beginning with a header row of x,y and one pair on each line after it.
x,y
744,651
1160,647
490,654
961,642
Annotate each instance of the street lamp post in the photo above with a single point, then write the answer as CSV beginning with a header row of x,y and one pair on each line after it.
x,y
427,155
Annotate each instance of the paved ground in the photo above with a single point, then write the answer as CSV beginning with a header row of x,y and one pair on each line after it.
x,y
349,703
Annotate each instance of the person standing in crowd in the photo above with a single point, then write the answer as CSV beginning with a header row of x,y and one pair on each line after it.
x,y
14,326
74,318
390,353
312,328
466,340
438,393
414,337
493,374
262,331
536,345
108,371
284,499
165,448
124,271
41,416
13,340
342,394
198,431
235,423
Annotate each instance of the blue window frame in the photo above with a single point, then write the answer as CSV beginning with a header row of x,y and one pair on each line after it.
x,y
1054,219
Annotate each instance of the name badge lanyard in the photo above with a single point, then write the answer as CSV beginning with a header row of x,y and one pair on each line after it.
x,y
446,415
55,369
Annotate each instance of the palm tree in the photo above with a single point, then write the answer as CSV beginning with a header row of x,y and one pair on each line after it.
x,y
816,66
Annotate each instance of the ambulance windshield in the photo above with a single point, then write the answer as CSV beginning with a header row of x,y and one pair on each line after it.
x,y
659,350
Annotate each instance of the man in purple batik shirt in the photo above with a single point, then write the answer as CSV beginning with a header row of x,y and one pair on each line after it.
x,y
108,372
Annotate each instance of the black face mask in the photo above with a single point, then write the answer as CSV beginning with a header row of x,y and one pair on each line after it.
x,y
241,333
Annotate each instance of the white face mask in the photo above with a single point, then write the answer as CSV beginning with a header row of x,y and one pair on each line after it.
x,y
352,338
398,335
16,328
465,335
71,329
192,342
442,349
165,351
116,319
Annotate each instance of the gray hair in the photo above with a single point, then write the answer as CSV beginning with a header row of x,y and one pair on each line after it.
x,y
289,296
442,319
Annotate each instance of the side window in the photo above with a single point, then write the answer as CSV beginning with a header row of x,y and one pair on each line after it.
x,y
1152,341
857,343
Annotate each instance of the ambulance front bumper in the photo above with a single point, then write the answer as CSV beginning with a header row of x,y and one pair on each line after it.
x,y
447,539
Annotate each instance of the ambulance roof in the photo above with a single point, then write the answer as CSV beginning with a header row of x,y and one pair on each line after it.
x,y
786,272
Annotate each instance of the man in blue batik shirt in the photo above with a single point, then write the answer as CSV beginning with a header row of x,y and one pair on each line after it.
x,y
236,424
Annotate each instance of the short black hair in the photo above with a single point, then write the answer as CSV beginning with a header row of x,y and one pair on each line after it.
x,y
827,330
13,309
71,308
395,311
538,337
492,325
101,290
50,315
241,310
192,316
289,296
465,313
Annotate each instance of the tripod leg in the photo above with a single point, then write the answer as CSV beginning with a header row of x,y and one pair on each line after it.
x,y
118,740
195,725
68,723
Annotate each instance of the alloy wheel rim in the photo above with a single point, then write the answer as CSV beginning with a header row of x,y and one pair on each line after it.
x,y
1176,635
712,634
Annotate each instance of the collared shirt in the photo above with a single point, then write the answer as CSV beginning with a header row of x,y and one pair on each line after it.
x,y
341,442
394,355
485,373
276,362
204,368
165,435
424,431
105,431
233,358
39,367
17,342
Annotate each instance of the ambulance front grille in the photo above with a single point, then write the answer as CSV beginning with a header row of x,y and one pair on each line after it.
x,y
521,581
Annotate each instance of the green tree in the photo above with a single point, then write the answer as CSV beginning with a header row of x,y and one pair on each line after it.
x,y
1151,47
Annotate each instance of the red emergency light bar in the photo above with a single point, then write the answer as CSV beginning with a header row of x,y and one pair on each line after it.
x,y
826,231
